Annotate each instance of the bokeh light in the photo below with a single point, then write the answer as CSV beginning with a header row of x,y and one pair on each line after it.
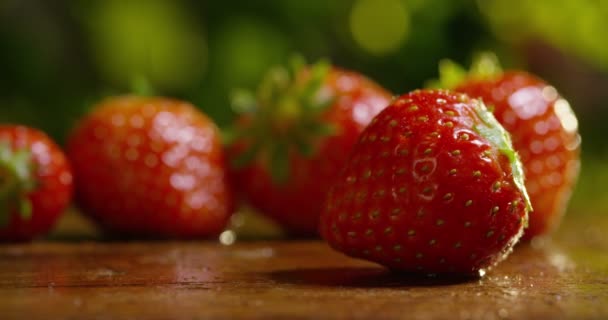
x,y
58,58
379,26
154,39
566,24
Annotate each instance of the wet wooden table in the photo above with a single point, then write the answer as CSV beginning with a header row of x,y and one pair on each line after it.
x,y
565,278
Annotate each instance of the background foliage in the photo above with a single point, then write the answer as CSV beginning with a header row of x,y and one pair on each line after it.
x,y
58,57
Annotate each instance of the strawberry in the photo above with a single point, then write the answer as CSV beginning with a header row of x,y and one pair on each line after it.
x,y
543,128
433,185
36,184
293,137
151,166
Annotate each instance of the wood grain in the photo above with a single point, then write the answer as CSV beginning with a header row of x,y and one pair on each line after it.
x,y
563,279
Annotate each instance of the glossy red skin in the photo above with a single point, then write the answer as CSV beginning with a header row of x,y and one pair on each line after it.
x,y
549,152
53,178
296,204
388,208
148,166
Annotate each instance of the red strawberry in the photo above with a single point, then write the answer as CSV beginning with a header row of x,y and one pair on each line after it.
x,y
36,183
295,135
432,186
151,166
543,128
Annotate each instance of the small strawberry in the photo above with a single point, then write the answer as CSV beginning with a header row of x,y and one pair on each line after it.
x,y
35,183
151,166
432,186
543,128
294,136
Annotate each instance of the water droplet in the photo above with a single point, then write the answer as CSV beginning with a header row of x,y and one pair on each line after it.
x,y
227,237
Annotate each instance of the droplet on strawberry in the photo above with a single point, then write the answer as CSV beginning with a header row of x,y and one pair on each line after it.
x,y
543,128
433,185
151,166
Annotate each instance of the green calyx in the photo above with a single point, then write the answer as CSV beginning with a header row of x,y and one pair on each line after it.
x,y
484,66
282,117
141,86
491,129
16,181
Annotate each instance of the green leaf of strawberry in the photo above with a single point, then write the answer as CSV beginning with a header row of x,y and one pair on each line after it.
x,y
284,116
35,183
292,137
485,66
500,139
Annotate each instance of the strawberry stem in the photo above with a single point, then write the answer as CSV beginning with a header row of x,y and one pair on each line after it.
x,y
485,65
16,182
141,86
283,117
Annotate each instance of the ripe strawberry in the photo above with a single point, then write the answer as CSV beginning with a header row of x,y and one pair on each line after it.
x,y
295,135
432,186
35,184
543,128
151,166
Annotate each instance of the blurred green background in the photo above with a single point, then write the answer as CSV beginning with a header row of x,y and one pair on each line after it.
x,y
57,58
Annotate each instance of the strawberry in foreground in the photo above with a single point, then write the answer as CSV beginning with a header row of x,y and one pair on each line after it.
x,y
36,184
433,186
151,166
543,128
294,135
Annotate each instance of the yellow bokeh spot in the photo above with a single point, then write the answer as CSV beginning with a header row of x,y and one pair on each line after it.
x,y
379,26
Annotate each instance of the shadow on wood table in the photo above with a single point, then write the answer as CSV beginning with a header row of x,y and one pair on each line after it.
x,y
362,277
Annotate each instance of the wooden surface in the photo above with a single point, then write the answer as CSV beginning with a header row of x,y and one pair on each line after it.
x,y
565,278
